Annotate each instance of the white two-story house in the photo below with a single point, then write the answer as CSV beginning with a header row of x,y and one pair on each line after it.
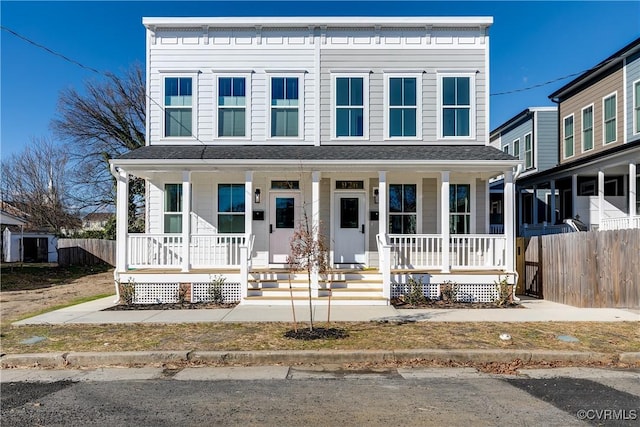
x,y
376,127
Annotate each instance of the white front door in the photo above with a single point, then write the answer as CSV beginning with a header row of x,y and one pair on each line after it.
x,y
349,220
284,214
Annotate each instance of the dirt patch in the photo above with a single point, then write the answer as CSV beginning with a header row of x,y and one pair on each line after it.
x,y
40,293
171,306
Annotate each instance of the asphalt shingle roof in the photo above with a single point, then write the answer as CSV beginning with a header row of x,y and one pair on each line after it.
x,y
325,152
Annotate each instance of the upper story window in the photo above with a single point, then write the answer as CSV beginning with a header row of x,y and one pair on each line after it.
x,y
528,151
285,107
403,107
587,128
609,114
567,136
232,107
636,107
456,103
505,149
178,106
231,208
173,208
351,110
516,148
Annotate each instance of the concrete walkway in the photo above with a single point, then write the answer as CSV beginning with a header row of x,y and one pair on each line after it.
x,y
534,311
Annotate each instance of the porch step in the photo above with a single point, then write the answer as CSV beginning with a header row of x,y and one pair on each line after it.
x,y
322,300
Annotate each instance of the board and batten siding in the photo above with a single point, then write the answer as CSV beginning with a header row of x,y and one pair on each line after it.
x,y
593,94
545,140
428,61
203,62
632,76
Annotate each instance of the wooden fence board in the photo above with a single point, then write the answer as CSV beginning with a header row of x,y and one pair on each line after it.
x,y
588,269
86,252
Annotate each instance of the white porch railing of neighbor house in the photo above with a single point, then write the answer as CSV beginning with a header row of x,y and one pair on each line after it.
x,y
530,230
166,250
620,223
466,251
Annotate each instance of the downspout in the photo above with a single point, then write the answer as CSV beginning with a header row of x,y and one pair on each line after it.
x,y
516,278
116,276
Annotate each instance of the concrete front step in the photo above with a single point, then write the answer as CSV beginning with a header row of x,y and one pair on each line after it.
x,y
322,300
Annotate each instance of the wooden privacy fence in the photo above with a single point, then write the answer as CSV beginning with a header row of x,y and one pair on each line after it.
x,y
587,269
86,252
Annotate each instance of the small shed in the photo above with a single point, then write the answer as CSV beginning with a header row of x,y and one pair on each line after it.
x,y
19,245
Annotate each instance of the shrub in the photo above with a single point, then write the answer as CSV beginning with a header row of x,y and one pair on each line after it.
x,y
216,294
505,292
128,292
415,294
449,291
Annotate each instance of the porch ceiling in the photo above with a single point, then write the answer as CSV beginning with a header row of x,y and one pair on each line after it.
x,y
470,158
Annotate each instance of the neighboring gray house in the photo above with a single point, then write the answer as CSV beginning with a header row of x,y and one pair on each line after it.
x,y
375,129
532,137
596,177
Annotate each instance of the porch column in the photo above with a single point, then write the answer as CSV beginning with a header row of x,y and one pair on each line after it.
x,y
248,203
315,223
553,202
383,217
574,196
509,225
600,196
535,219
186,221
632,190
444,220
122,215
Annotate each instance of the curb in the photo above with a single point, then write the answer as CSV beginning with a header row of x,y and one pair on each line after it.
x,y
297,357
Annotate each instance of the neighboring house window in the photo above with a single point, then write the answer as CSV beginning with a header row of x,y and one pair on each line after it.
x,y
568,136
232,107
528,151
402,209
636,107
178,112
505,149
609,118
403,119
587,128
173,208
351,109
456,106
516,148
231,208
460,208
285,106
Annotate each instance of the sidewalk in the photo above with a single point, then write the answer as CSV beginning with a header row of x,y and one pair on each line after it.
x,y
534,311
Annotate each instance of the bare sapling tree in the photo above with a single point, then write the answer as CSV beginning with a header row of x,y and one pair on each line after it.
x,y
104,120
35,182
309,253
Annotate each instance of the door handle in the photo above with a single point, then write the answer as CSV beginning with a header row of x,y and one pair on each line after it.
x,y
362,229
270,228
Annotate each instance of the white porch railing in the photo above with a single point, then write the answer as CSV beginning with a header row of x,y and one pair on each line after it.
x,y
166,250
530,230
620,223
466,251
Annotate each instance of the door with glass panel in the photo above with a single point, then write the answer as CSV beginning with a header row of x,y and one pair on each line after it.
x,y
283,218
349,220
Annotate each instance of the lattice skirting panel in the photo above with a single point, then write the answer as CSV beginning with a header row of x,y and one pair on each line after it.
x,y
200,292
476,292
156,293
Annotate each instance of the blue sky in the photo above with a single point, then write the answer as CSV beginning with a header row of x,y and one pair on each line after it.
x,y
531,43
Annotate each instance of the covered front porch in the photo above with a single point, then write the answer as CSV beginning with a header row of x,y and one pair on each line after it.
x,y
382,223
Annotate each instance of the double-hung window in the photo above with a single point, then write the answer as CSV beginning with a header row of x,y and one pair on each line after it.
x,y
456,103
351,97
505,149
285,107
567,136
636,107
178,106
403,104
232,107
528,151
609,118
587,128
402,209
460,208
231,208
173,208
516,148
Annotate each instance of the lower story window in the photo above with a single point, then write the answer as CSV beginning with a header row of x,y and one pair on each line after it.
x,y
460,208
231,208
402,209
173,208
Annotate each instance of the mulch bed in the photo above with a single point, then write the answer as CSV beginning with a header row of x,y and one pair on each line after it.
x,y
171,306
307,334
399,303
